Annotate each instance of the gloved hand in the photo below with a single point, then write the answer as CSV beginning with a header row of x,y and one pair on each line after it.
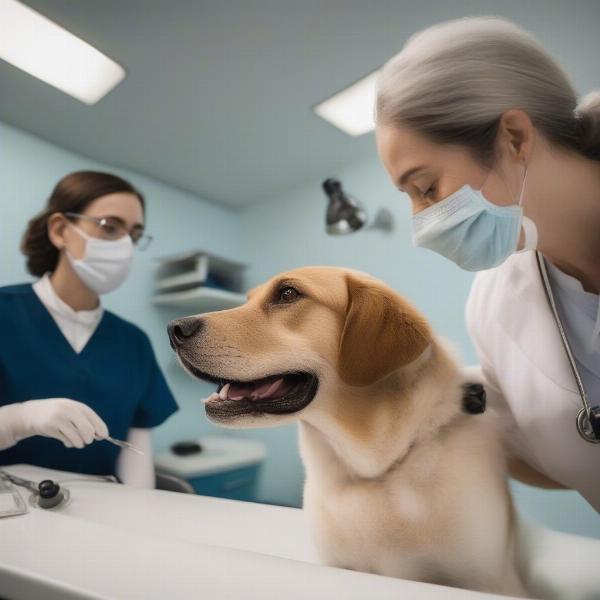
x,y
71,422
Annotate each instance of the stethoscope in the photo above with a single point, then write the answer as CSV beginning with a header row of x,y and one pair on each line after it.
x,y
48,493
588,417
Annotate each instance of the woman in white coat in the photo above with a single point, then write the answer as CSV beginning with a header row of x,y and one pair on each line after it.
x,y
483,131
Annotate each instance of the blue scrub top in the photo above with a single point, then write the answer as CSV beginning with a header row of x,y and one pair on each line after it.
x,y
116,375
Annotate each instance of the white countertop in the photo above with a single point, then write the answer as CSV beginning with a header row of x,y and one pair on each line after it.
x,y
113,541
219,453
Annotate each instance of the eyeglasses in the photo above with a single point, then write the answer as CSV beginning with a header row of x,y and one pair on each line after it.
x,y
113,228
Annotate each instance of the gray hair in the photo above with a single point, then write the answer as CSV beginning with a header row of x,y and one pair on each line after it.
x,y
453,81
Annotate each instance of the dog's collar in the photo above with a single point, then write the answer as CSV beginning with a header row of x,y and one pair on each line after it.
x,y
473,398
473,402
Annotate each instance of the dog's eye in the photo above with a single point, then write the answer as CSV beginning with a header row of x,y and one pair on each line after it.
x,y
288,294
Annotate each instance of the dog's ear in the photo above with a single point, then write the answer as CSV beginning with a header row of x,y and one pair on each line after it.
x,y
382,333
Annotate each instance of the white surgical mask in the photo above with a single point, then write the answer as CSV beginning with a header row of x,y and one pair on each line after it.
x,y
105,264
473,232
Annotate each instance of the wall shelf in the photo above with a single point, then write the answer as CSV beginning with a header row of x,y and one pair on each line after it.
x,y
201,299
198,281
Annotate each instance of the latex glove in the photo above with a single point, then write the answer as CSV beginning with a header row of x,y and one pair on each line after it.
x,y
73,423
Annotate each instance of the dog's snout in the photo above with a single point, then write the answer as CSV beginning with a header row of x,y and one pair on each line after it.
x,y
182,330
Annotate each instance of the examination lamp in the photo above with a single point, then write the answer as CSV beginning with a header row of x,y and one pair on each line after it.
x,y
347,215
344,214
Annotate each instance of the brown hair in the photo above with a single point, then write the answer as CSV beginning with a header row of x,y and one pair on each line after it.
x,y
73,193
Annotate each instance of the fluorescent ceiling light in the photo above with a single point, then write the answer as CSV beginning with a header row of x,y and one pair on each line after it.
x,y
33,43
351,110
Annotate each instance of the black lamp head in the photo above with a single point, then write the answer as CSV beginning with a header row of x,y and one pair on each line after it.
x,y
344,214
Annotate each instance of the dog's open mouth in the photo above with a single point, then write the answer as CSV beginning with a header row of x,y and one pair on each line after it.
x,y
280,394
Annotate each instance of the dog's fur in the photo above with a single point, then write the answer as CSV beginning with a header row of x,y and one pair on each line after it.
x,y
399,480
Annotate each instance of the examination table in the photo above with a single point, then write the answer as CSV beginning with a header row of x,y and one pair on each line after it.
x,y
112,541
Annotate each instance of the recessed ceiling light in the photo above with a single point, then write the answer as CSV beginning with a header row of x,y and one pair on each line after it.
x,y
33,43
351,110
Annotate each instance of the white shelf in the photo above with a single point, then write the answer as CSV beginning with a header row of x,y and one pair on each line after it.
x,y
201,299
182,280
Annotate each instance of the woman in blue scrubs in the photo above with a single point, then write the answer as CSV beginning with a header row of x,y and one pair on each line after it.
x,y
72,372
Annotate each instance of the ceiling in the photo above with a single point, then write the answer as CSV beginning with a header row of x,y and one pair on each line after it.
x,y
218,94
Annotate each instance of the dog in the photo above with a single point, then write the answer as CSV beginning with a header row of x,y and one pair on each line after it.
x,y
400,481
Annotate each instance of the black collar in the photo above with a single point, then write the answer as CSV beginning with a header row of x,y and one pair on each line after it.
x,y
473,398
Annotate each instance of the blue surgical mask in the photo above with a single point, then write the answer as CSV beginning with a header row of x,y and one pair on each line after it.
x,y
471,231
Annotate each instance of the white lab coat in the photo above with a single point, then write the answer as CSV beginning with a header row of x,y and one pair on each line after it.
x,y
528,376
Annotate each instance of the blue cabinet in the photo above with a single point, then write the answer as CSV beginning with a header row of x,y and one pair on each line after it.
x,y
225,467
237,484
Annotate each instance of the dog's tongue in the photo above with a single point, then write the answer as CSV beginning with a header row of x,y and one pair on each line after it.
x,y
258,389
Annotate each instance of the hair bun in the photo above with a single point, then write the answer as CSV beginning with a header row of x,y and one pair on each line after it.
x,y
587,115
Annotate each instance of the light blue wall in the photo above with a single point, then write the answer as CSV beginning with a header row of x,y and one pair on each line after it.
x,y
288,231
29,169
283,232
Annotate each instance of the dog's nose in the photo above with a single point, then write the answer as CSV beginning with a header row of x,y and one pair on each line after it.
x,y
181,330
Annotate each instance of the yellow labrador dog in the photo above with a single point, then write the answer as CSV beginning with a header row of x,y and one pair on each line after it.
x,y
399,480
